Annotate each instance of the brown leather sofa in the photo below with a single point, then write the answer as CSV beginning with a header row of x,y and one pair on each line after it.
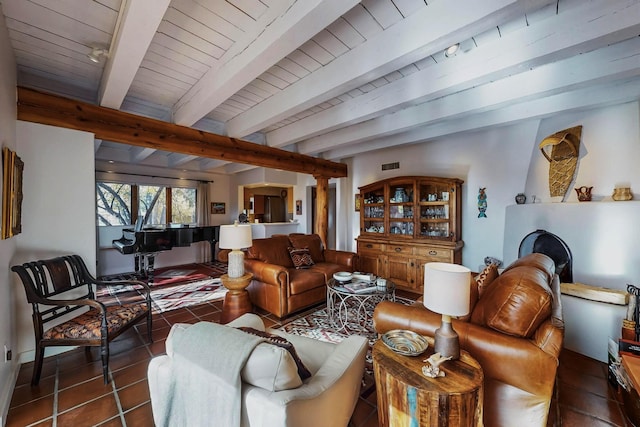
x,y
281,288
515,331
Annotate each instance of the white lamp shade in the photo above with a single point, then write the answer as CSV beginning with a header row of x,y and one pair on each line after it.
x,y
235,236
446,288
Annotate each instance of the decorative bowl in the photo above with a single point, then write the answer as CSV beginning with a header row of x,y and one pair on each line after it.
x,y
407,343
342,276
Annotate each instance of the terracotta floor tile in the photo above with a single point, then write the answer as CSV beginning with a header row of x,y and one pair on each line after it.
x,y
92,413
134,395
590,403
83,392
571,418
113,422
584,397
130,374
31,412
26,393
140,416
129,358
46,423
157,347
83,371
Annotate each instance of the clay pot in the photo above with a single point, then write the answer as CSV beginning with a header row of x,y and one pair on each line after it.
x,y
584,193
622,194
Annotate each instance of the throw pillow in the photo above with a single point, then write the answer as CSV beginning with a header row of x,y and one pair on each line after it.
x,y
486,277
279,341
301,257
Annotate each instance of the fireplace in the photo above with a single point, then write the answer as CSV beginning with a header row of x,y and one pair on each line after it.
x,y
541,241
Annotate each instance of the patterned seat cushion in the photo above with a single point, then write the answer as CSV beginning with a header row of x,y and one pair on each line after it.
x,y
87,325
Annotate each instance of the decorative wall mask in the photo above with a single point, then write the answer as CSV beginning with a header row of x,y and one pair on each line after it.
x,y
561,150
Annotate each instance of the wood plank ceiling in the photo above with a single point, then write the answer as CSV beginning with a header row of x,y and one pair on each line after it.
x,y
330,78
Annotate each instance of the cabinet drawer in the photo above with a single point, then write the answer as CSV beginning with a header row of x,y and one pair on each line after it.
x,y
438,255
369,247
398,249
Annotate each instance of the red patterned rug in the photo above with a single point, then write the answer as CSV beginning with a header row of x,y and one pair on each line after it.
x,y
176,287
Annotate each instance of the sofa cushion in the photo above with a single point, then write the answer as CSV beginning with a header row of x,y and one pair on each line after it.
x,y
486,277
281,342
272,368
540,261
516,303
272,250
301,281
327,269
310,241
301,257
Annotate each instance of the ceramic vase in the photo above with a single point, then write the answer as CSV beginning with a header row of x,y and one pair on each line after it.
x,y
521,198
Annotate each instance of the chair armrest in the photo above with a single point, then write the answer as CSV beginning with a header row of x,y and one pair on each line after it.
x,y
528,364
271,274
66,302
349,259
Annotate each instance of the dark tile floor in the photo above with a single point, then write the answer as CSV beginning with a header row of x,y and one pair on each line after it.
x,y
72,393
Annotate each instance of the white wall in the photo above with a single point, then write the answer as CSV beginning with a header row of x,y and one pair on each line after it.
x,y
8,371
603,235
496,159
58,210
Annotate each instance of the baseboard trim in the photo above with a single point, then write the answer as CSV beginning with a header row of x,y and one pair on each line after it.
x,y
7,393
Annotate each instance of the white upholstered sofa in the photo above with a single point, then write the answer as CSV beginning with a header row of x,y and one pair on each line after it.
x,y
271,392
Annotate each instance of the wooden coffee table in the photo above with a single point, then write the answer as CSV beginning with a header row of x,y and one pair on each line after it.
x,y
406,397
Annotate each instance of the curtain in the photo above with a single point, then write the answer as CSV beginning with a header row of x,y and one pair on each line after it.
x,y
204,216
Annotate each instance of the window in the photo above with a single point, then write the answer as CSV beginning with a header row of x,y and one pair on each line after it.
x,y
153,204
113,203
183,205
122,204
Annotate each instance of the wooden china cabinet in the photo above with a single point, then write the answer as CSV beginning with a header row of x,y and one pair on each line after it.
x,y
406,222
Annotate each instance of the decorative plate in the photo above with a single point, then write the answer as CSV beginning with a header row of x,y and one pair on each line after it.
x,y
342,276
407,343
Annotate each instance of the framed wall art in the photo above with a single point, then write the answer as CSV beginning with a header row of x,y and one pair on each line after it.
x,y
298,207
357,202
12,169
217,208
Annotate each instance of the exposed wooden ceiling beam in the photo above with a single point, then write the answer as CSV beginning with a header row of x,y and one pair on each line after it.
x,y
117,126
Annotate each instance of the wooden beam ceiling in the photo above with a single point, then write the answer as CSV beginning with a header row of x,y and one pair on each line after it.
x,y
113,125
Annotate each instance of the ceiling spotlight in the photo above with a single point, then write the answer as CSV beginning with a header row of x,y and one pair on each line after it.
x,y
97,54
451,50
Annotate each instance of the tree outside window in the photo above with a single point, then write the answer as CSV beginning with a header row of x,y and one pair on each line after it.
x,y
183,205
113,203
117,203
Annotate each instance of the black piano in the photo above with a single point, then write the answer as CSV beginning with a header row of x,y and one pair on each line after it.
x,y
146,243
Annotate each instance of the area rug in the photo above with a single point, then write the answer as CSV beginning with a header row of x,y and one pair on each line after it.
x,y
317,325
189,273
179,296
181,286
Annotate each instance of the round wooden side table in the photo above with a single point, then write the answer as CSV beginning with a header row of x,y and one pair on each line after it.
x,y
236,301
408,398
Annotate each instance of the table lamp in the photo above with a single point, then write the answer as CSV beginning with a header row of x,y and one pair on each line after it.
x,y
446,291
235,237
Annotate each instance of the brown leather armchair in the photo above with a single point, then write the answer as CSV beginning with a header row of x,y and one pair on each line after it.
x,y
281,288
515,331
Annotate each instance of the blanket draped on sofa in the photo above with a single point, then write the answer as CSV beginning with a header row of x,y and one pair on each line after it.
x,y
221,354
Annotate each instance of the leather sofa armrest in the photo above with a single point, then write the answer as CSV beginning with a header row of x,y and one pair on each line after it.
x,y
270,274
519,362
349,259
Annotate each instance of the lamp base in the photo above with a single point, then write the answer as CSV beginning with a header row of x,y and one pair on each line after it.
x,y
235,266
446,341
